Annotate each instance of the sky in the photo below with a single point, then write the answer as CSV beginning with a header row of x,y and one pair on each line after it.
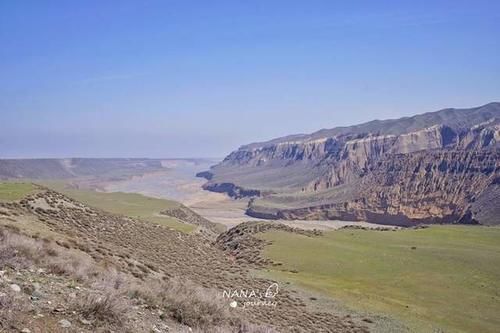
x,y
201,78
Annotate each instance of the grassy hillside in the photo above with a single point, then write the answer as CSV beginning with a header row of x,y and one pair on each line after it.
x,y
94,270
443,277
128,204
131,204
14,191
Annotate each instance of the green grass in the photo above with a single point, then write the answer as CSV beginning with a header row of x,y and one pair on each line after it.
x,y
10,191
128,204
451,280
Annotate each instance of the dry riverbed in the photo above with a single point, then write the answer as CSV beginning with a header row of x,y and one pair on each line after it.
x,y
179,183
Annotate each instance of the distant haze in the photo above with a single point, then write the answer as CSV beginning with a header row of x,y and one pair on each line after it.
x,y
201,78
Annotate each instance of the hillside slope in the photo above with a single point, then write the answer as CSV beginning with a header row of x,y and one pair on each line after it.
x,y
150,260
427,168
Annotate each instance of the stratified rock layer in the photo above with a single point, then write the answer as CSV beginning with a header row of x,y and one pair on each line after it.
x,y
431,168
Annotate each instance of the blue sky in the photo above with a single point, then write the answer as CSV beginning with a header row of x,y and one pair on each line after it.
x,y
200,78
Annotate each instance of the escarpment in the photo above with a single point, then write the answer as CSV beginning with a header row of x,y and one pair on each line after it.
x,y
429,168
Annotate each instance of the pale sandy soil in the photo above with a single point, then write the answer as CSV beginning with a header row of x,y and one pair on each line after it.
x,y
330,224
179,183
222,209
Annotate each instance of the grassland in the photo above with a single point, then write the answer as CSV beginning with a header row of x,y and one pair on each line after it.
x,y
10,191
440,279
128,204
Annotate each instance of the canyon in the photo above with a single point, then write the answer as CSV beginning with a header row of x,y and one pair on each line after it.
x,y
437,167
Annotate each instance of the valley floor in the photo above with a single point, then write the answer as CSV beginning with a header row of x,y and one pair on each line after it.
x,y
440,278
180,184
435,279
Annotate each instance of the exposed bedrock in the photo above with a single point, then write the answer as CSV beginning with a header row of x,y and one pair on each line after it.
x,y
428,168
425,187
231,190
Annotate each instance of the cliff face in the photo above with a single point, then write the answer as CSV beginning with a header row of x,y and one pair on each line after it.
x,y
425,187
358,154
431,171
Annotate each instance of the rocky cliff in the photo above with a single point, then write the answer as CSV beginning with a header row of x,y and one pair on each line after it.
x,y
426,168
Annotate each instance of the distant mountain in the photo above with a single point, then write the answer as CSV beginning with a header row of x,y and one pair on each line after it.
x,y
75,167
434,167
67,168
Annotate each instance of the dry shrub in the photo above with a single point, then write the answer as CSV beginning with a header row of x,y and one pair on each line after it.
x,y
111,281
20,251
9,307
108,305
195,306
186,302
6,301
75,265
103,308
147,292
200,308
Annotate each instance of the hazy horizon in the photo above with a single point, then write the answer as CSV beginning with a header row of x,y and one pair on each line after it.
x,y
176,79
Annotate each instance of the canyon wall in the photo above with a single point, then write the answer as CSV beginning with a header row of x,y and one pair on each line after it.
x,y
429,168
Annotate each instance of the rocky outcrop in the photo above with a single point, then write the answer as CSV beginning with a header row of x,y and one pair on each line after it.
x,y
205,174
231,189
427,168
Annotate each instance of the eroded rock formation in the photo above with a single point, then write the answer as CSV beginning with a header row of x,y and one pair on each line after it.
x,y
429,168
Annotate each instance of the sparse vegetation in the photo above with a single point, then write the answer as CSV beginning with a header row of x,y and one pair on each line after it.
x,y
187,302
104,256
128,204
103,308
125,272
19,252
110,294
